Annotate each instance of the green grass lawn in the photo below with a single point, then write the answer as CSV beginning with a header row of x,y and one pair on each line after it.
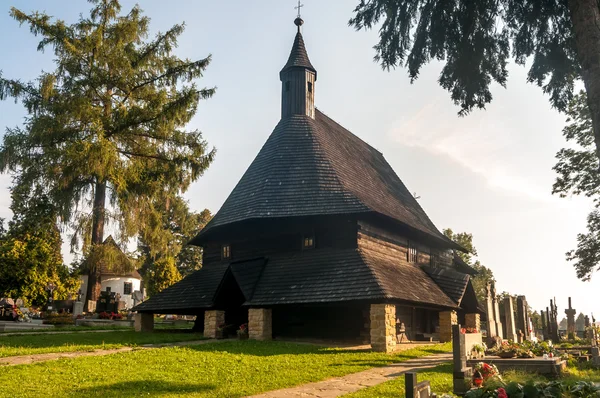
x,y
70,342
225,369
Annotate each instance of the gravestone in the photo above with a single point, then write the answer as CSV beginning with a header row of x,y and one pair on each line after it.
x,y
494,325
544,328
412,389
571,312
497,315
461,379
77,308
589,333
523,318
509,318
554,313
108,302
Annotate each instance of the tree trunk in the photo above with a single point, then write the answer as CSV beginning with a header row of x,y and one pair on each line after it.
x,y
585,16
93,286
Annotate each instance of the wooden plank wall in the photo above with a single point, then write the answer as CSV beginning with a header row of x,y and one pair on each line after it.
x,y
382,240
333,234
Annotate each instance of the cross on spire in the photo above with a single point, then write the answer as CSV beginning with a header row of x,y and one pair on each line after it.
x,y
298,7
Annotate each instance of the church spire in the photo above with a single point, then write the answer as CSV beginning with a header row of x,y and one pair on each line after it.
x,y
298,78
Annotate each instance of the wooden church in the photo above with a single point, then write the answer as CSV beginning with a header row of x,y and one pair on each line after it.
x,y
321,239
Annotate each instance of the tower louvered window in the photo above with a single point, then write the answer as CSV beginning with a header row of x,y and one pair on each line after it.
x,y
226,252
413,253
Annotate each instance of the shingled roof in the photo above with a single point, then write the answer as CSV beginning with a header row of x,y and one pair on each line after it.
x,y
316,167
195,291
307,277
453,283
298,56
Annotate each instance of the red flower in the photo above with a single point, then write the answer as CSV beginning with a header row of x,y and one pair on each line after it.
x,y
463,330
502,393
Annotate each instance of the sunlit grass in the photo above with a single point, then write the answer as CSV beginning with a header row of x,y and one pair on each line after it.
x,y
225,369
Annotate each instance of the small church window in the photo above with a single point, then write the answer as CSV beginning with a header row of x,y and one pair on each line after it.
x,y
226,252
287,86
413,254
308,242
127,287
310,87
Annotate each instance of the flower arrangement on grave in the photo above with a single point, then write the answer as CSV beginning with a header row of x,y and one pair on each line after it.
x,y
116,316
487,371
556,388
242,332
508,349
469,330
104,315
478,350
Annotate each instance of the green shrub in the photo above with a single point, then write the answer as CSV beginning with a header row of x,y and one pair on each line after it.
x,y
59,319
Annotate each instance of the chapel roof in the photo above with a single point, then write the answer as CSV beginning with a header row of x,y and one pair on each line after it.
x,y
298,56
312,167
306,277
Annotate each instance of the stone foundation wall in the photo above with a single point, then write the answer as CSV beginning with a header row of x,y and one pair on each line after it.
x,y
212,320
447,319
383,327
260,324
473,321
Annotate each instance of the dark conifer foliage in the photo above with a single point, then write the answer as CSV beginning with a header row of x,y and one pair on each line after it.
x,y
105,134
475,40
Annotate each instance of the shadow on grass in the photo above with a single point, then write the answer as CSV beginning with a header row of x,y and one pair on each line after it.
x,y
273,348
149,388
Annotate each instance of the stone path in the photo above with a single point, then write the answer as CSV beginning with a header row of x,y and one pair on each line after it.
x,y
357,381
29,359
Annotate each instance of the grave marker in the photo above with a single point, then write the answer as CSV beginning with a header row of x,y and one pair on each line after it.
x,y
461,379
571,312
413,389
523,318
509,317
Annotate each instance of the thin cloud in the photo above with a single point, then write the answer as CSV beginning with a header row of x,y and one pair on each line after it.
x,y
486,150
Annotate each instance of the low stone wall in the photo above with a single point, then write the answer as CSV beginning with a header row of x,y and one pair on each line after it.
x,y
9,326
104,322
260,324
383,327
550,366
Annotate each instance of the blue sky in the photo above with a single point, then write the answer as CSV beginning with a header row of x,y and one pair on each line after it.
x,y
488,173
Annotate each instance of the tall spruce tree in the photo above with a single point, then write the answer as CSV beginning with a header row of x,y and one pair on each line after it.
x,y
475,39
105,133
